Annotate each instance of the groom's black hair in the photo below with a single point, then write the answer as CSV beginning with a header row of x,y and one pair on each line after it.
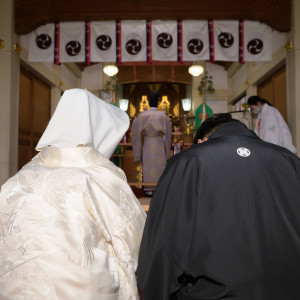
x,y
211,125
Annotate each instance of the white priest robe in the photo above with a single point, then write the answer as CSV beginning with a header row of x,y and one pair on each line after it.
x,y
271,127
70,225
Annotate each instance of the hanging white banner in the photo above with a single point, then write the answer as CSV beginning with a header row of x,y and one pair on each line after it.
x,y
257,41
164,40
103,41
72,42
226,40
195,41
41,44
188,40
133,41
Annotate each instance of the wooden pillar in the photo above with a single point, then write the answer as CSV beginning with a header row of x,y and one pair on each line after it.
x,y
293,77
9,91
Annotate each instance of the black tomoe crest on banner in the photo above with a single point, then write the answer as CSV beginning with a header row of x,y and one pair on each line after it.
x,y
73,48
134,40
72,41
104,42
43,41
164,40
133,46
255,46
226,39
195,46
195,40
41,44
257,41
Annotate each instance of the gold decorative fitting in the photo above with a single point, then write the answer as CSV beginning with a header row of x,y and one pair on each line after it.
x,y
164,105
144,104
188,129
247,82
176,110
1,44
245,106
81,145
17,48
139,175
60,83
132,110
289,46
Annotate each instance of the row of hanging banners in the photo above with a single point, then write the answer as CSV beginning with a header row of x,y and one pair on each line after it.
x,y
144,41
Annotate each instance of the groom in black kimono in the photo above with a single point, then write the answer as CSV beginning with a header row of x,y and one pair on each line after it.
x,y
224,222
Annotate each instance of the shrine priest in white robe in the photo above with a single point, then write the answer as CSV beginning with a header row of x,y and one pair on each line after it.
x,y
270,125
70,224
151,142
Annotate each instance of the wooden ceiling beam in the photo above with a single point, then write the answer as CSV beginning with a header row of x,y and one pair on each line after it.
x,y
156,63
30,14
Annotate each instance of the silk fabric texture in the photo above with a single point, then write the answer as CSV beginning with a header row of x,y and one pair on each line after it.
x,y
70,224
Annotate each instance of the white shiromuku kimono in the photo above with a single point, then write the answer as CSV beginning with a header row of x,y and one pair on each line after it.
x,y
271,127
70,224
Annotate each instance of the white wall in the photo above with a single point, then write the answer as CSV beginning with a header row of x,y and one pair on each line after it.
x,y
92,77
239,77
219,75
217,106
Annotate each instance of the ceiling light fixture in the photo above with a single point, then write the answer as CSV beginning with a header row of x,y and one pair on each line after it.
x,y
110,70
196,70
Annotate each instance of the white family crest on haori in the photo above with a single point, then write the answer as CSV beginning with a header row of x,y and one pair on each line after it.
x,y
244,152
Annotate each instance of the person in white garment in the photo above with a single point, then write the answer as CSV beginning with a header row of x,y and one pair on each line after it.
x,y
270,125
70,225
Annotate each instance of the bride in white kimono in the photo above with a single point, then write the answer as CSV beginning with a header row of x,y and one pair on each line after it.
x,y
70,226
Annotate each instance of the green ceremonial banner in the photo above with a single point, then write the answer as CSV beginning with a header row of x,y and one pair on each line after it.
x,y
199,115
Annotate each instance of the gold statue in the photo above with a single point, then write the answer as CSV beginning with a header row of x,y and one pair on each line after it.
x,y
132,110
176,110
164,105
139,175
188,128
144,104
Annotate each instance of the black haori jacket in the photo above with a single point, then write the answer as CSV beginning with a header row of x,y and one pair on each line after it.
x,y
224,223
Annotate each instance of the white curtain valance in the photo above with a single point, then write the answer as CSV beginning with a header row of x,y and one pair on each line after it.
x,y
123,41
